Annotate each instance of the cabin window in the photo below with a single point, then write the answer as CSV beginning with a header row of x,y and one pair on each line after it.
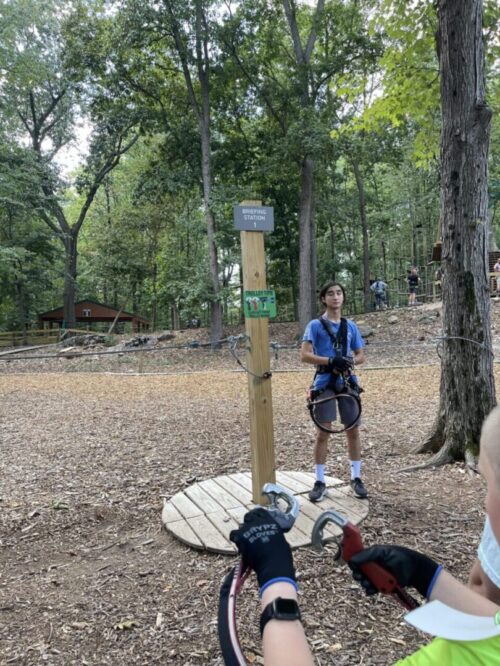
x,y
87,313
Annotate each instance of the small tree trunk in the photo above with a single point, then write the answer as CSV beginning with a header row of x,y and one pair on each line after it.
x,y
154,300
174,313
293,269
364,233
22,309
467,391
215,304
307,286
70,262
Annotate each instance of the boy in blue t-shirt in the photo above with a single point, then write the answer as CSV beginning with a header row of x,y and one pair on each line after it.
x,y
318,349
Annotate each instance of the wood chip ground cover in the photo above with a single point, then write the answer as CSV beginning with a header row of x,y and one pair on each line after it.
x,y
87,575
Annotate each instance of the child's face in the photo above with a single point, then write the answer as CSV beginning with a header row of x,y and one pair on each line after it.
x,y
334,297
492,502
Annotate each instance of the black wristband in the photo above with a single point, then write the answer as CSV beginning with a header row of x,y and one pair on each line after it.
x,y
279,609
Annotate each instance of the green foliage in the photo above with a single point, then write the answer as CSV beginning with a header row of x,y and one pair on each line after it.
x,y
370,93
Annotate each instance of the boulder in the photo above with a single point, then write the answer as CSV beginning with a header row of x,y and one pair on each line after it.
x,y
139,341
365,331
166,335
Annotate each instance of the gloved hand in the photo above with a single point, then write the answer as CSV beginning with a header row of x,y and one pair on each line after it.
x,y
340,363
263,547
410,568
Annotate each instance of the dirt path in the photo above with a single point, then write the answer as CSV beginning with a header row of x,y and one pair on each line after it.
x,y
87,576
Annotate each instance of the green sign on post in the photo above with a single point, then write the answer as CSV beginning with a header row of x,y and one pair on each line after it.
x,y
260,303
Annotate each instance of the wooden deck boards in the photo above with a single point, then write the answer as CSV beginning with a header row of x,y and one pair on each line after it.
x,y
204,514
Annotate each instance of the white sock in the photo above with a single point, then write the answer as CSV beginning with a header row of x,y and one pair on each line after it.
x,y
355,469
320,473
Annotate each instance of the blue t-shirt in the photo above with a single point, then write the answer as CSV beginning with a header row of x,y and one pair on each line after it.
x,y
322,343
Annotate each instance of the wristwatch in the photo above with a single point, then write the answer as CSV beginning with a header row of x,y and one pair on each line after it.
x,y
279,609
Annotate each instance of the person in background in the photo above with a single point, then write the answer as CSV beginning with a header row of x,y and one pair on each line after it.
x,y
379,288
322,345
496,268
438,282
413,283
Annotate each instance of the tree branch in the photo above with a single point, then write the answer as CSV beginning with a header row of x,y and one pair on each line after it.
x,y
290,11
181,51
313,34
252,81
110,163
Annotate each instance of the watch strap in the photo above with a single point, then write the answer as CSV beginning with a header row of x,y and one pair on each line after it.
x,y
272,612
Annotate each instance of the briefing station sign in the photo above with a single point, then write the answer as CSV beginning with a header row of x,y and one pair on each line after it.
x,y
253,218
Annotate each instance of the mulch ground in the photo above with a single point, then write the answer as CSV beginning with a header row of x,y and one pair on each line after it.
x,y
88,576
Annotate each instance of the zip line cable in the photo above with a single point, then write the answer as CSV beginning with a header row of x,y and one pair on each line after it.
x,y
233,340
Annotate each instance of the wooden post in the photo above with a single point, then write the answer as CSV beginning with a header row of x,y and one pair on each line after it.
x,y
258,362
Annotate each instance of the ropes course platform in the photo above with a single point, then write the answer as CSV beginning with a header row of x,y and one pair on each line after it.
x,y
204,514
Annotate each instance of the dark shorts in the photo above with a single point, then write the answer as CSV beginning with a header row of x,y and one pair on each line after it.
x,y
413,290
327,411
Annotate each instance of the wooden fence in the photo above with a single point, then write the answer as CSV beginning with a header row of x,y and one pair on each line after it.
x,y
33,337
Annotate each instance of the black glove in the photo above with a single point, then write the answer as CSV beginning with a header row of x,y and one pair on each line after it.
x,y
263,546
340,364
410,568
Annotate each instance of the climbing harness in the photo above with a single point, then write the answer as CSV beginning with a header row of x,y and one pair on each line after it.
x,y
344,385
314,402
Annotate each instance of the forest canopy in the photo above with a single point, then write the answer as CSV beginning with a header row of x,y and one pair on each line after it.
x,y
130,129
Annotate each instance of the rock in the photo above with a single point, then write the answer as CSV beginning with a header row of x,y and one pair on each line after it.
x,y
85,340
365,331
138,341
165,336
392,319
91,340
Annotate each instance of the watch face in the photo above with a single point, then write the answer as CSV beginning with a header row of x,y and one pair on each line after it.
x,y
286,608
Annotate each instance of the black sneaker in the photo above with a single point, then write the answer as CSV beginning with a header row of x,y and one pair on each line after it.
x,y
318,492
359,489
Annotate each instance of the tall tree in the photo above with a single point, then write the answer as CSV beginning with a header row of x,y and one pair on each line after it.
x,y
290,53
307,244
467,390
199,60
42,101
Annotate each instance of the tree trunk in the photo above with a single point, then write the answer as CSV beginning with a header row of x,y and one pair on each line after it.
x,y
175,317
364,233
215,304
307,245
70,262
307,285
22,309
203,113
467,391
292,268
154,299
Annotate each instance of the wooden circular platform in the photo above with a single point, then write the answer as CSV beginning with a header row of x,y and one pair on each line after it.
x,y
204,514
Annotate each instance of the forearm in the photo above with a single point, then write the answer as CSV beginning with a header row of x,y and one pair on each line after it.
x,y
456,595
284,642
359,357
307,355
313,359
